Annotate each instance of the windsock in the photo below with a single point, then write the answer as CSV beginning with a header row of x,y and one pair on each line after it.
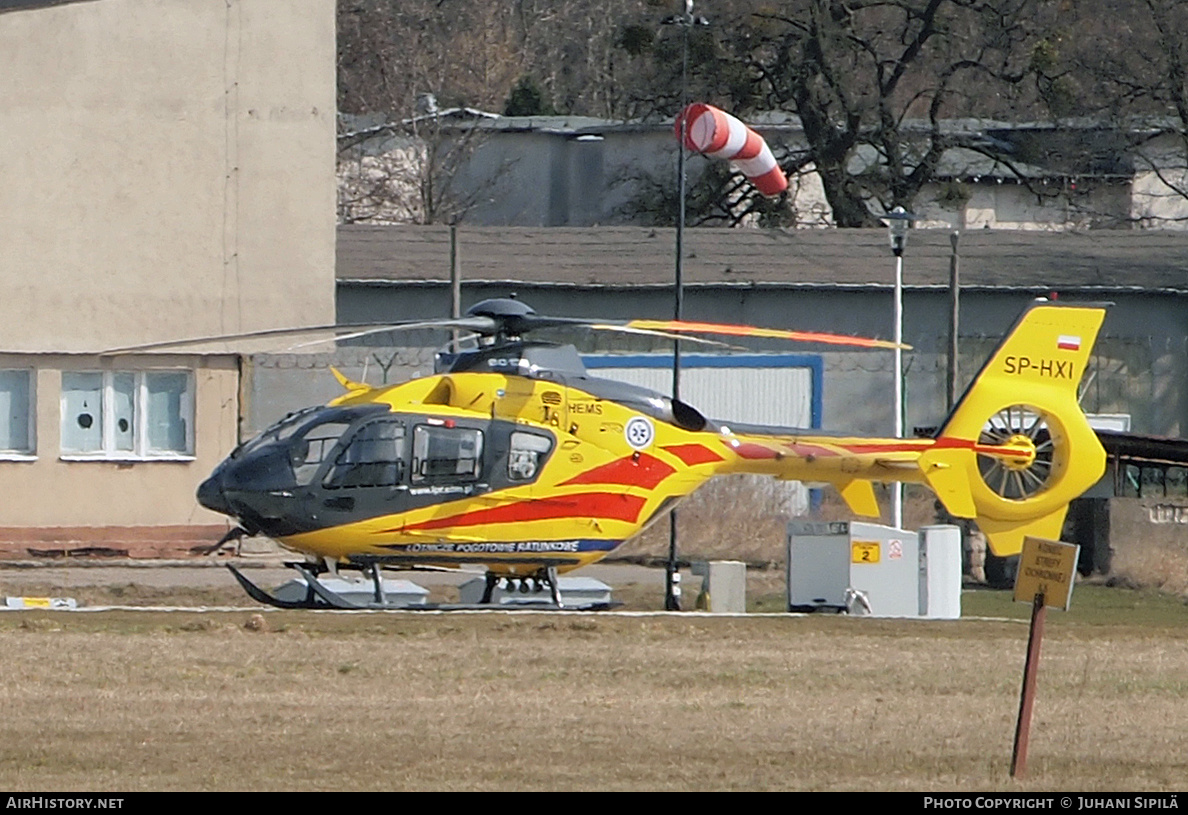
x,y
717,134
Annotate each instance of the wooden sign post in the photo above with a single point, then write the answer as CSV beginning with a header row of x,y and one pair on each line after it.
x,y
1045,578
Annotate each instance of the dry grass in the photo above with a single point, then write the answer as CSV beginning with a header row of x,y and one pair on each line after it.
x,y
745,517
405,701
252,700
734,518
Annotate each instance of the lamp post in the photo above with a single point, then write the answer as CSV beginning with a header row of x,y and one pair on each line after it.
x,y
686,20
898,222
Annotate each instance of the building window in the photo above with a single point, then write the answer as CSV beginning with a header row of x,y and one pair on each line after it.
x,y
126,414
16,412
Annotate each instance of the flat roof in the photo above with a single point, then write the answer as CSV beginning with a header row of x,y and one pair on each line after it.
x,y
1140,448
1101,261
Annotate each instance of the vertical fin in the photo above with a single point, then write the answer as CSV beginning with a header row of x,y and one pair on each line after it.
x,y
1044,453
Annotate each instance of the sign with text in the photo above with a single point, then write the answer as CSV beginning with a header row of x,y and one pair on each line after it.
x,y
864,551
1048,568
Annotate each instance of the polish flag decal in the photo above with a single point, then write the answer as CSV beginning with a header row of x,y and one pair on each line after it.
x,y
1068,343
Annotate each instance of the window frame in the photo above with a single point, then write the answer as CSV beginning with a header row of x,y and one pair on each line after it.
x,y
361,433
417,463
140,417
539,451
29,453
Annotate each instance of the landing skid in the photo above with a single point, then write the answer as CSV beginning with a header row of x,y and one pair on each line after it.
x,y
318,596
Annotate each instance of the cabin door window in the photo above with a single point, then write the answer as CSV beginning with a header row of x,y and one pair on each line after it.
x,y
444,454
525,454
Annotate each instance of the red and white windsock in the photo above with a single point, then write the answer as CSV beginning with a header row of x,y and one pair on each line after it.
x,y
717,134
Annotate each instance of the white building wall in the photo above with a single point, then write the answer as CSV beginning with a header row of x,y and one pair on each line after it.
x,y
168,173
168,170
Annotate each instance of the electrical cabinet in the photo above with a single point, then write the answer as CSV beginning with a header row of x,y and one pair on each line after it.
x,y
870,569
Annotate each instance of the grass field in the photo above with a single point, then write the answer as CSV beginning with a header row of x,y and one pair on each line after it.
x,y
250,700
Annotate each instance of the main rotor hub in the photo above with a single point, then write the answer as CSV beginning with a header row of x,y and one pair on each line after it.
x,y
510,318
500,308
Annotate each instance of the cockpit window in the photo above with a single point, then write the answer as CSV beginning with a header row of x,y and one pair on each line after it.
x,y
525,455
299,421
374,457
446,453
279,431
307,453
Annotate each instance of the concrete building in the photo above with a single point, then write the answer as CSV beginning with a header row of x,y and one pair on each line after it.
x,y
580,171
168,172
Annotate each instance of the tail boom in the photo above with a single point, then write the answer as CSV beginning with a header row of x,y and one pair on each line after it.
x,y
1012,455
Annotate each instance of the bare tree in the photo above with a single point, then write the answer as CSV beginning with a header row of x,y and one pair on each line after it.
x,y
721,196
873,83
474,53
1137,88
876,84
392,51
411,171
856,72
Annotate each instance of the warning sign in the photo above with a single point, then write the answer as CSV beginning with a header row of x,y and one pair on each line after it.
x,y
864,551
1048,568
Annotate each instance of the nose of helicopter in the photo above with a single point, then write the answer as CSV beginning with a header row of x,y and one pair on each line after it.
x,y
257,491
210,494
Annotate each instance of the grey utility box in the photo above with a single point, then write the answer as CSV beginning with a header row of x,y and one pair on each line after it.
x,y
869,569
723,586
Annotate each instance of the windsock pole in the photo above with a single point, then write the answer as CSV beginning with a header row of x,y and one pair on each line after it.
x,y
672,577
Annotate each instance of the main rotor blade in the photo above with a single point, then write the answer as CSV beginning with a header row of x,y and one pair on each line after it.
x,y
651,332
683,326
477,324
515,325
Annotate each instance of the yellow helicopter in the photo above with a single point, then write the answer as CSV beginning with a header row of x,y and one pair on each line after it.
x,y
514,457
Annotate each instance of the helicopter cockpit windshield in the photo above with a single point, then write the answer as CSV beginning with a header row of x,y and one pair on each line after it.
x,y
302,422
276,432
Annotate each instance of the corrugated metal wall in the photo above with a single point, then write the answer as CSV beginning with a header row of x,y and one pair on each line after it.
x,y
771,389
782,390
